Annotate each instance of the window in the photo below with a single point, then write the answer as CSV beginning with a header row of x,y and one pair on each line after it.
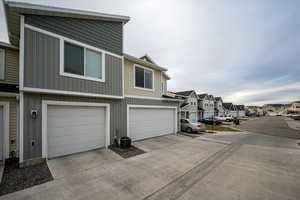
x,y
187,115
2,64
143,78
82,62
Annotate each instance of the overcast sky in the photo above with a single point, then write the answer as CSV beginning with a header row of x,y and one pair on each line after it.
x,y
246,51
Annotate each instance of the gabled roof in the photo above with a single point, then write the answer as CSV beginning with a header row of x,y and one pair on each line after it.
x,y
185,93
218,99
228,106
143,62
202,96
148,59
240,107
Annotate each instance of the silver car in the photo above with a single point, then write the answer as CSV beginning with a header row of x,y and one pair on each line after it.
x,y
189,126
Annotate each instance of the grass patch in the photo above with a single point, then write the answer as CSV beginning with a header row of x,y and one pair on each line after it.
x,y
220,128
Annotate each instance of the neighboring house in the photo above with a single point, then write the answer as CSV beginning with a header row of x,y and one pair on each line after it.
x,y
189,107
241,111
78,91
150,110
254,111
230,110
273,109
207,104
295,107
9,89
219,107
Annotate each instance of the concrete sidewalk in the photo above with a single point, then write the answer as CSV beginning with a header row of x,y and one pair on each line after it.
x,y
211,167
167,158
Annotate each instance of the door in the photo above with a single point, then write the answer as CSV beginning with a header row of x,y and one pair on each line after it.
x,y
1,133
73,129
151,122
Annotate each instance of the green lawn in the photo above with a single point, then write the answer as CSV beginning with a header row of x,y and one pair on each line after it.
x,y
220,128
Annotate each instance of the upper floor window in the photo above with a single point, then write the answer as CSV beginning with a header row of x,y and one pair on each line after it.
x,y
83,62
2,64
143,78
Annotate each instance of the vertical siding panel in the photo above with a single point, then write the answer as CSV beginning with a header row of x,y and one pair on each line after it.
x,y
42,55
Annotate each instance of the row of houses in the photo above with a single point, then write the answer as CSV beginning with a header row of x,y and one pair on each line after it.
x,y
196,107
282,109
67,86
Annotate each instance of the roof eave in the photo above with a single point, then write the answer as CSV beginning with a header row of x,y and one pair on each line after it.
x,y
142,62
96,15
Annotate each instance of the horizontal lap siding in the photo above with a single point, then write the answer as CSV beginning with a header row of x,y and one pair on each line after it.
x,y
13,118
102,34
11,67
42,60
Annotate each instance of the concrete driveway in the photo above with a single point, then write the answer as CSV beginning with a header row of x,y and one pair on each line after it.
x,y
218,166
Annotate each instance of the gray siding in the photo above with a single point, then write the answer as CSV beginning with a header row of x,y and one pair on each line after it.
x,y
102,34
118,117
33,127
41,68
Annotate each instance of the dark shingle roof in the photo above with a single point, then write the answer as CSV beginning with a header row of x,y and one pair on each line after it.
x,y
202,96
240,107
228,106
218,98
185,93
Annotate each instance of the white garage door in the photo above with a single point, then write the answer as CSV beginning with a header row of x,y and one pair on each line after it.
x,y
151,122
72,129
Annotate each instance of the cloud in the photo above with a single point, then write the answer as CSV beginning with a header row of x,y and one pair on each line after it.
x,y
246,51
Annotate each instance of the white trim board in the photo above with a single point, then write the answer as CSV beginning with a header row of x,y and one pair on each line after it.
x,y
45,105
5,105
63,92
153,98
21,128
155,107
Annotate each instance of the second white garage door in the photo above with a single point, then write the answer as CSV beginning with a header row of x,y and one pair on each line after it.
x,y
151,122
73,129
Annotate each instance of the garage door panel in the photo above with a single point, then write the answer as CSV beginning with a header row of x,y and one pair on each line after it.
x,y
151,122
73,129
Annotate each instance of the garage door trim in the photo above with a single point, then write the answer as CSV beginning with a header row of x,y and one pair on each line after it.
x,y
45,105
148,106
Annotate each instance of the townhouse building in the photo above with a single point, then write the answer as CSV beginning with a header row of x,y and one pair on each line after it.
x,y
70,88
207,105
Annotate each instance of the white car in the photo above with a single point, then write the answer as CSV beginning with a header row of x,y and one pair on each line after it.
x,y
189,126
221,118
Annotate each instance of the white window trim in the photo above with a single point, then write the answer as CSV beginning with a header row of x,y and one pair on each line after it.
x,y
5,105
155,107
3,50
45,105
84,46
153,78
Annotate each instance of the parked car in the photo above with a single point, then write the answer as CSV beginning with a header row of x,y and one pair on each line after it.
x,y
210,121
221,118
189,126
229,119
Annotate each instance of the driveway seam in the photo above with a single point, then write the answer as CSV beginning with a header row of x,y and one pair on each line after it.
x,y
183,183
